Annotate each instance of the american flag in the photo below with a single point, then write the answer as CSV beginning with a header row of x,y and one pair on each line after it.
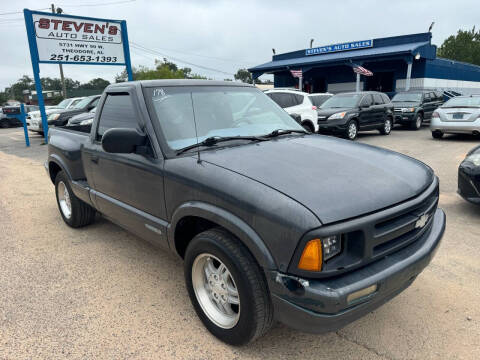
x,y
361,70
296,73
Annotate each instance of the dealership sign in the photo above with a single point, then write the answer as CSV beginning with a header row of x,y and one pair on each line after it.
x,y
66,39
354,45
69,39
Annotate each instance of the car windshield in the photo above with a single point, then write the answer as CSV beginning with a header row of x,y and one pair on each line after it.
x,y
82,103
210,111
342,101
407,97
463,101
63,104
318,100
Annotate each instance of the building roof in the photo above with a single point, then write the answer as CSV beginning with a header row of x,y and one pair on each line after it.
x,y
405,47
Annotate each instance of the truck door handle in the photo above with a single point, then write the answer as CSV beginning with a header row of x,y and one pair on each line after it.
x,y
94,159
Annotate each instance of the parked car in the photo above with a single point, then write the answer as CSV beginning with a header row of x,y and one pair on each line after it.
x,y
459,115
348,113
300,103
7,121
469,177
34,118
60,117
413,107
215,172
82,119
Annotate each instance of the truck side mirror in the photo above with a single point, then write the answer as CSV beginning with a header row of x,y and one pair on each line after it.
x,y
123,141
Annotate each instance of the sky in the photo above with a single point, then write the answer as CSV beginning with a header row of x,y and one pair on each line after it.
x,y
226,35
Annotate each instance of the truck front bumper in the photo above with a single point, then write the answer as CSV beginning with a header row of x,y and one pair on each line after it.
x,y
404,117
323,305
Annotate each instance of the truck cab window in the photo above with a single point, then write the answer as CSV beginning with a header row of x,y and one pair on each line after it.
x,y
117,112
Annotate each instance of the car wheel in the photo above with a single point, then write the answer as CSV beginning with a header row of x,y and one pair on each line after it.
x,y
227,287
352,130
417,124
386,129
437,134
3,124
74,211
308,127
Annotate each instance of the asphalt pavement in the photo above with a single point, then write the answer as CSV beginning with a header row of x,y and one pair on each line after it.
x,y
102,293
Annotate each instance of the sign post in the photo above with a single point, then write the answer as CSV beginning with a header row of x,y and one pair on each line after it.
x,y
79,40
23,118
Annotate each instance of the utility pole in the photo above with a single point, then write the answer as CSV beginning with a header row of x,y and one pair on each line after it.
x,y
62,78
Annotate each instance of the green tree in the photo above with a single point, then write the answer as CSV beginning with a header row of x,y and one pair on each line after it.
x,y
95,84
465,46
163,69
244,76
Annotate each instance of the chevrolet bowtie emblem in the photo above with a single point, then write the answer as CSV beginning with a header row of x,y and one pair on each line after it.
x,y
422,221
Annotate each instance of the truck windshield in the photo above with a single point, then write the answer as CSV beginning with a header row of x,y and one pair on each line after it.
x,y
407,97
342,101
188,115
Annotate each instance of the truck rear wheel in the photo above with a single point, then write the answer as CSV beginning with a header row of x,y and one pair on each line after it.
x,y
227,287
74,211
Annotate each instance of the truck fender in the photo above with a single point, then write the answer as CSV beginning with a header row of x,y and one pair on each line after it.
x,y
54,158
229,221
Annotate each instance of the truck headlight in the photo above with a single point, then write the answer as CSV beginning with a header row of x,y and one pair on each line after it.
x,y
336,116
408,109
317,251
474,159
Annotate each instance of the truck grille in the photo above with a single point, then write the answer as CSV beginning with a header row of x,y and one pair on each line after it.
x,y
402,229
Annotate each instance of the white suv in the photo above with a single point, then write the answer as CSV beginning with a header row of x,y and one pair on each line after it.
x,y
300,103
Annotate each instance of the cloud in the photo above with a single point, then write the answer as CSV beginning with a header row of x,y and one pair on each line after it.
x,y
236,33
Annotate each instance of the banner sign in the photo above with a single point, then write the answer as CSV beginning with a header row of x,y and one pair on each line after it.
x,y
67,39
354,45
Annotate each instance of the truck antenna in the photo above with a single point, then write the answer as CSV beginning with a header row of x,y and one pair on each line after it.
x,y
196,132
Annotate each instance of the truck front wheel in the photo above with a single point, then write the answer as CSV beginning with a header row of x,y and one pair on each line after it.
x,y
227,287
74,211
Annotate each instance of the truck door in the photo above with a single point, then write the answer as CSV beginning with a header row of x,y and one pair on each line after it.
x,y
128,188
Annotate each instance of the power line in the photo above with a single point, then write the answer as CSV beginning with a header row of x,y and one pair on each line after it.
x,y
97,4
154,52
20,12
73,5
243,62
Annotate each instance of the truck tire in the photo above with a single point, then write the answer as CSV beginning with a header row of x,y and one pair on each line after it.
x,y
227,287
352,130
417,124
386,129
74,211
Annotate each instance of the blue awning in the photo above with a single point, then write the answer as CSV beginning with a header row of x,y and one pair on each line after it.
x,y
425,49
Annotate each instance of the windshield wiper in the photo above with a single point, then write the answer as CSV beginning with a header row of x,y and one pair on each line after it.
x,y
278,132
213,140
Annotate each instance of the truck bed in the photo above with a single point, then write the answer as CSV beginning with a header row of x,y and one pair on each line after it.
x,y
65,144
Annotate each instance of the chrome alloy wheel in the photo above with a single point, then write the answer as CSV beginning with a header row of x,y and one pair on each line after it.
x,y
387,126
418,122
64,199
216,291
352,130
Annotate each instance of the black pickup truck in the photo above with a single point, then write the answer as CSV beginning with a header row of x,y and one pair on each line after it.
x,y
220,175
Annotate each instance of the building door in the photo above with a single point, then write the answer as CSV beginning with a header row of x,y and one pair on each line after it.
x,y
380,81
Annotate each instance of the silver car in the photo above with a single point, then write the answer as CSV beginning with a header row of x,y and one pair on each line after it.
x,y
459,115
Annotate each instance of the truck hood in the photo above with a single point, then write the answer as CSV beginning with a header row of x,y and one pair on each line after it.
x,y
407,104
335,179
330,111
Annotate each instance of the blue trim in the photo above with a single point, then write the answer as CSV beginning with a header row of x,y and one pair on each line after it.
x,y
32,43
126,50
72,16
24,122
